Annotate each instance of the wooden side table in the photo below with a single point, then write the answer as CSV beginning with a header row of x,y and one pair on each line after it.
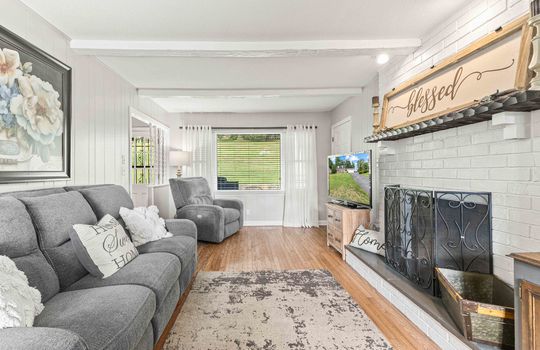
x,y
527,300
342,222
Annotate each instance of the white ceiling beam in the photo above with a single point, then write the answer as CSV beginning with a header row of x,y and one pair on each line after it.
x,y
366,47
263,93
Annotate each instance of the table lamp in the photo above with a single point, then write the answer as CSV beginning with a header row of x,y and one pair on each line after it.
x,y
178,159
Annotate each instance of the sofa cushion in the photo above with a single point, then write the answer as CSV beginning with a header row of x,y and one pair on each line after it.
x,y
231,215
165,311
105,318
231,228
183,247
108,200
40,273
83,187
156,271
42,338
34,193
19,242
54,216
186,275
191,190
147,341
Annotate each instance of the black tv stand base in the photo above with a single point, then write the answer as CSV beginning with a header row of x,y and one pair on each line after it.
x,y
350,205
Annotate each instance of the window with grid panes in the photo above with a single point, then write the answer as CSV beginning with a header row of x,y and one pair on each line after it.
x,y
142,161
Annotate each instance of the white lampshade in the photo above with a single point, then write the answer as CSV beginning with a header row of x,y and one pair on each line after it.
x,y
179,158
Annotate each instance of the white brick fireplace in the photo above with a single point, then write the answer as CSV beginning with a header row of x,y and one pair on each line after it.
x,y
477,158
429,325
474,157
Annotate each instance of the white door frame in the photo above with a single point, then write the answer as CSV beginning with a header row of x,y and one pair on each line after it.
x,y
135,113
333,126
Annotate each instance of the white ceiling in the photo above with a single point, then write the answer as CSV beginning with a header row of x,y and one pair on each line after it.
x,y
249,104
244,73
239,20
351,31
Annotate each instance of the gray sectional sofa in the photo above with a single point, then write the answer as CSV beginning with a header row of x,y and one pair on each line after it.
x,y
128,310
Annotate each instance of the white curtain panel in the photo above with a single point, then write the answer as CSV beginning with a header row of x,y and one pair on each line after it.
x,y
198,140
301,198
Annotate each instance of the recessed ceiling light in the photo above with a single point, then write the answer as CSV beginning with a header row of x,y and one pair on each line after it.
x,y
382,58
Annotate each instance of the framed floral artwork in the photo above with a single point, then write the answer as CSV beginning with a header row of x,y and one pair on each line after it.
x,y
35,112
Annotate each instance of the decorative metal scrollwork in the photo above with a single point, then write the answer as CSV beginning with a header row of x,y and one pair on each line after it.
x,y
425,229
409,234
463,226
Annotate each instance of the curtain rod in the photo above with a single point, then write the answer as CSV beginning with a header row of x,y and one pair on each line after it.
x,y
252,127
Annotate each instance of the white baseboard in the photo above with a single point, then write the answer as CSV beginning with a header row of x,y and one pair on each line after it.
x,y
264,223
273,223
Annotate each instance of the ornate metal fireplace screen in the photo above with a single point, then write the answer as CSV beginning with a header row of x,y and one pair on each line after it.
x,y
425,229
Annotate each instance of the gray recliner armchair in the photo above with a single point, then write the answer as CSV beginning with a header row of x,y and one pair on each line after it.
x,y
216,219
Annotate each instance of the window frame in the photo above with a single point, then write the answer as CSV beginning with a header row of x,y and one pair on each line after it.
x,y
150,167
133,113
218,131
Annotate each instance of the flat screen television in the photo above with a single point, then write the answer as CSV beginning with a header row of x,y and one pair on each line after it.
x,y
349,179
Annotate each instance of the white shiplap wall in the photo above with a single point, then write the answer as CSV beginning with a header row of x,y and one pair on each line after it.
x,y
101,100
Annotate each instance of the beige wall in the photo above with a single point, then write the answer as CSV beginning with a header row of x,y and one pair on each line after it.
x,y
100,104
267,208
360,111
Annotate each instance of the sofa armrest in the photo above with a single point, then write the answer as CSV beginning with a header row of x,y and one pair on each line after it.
x,y
232,203
181,227
40,338
229,203
210,220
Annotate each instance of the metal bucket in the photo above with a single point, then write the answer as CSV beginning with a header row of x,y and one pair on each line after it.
x,y
481,305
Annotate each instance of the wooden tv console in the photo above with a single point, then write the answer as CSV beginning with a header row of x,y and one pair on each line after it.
x,y
341,224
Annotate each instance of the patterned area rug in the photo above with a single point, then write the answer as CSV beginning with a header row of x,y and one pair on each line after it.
x,y
305,309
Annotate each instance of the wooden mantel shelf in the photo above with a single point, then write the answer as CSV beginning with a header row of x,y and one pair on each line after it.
x,y
520,101
527,258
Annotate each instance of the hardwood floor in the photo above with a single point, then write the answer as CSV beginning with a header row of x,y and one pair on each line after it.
x,y
278,248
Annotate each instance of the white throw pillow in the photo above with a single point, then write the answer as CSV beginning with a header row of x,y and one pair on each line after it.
x,y
103,249
144,224
368,240
19,303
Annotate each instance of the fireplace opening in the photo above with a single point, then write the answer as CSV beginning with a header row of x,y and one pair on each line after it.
x,y
427,229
